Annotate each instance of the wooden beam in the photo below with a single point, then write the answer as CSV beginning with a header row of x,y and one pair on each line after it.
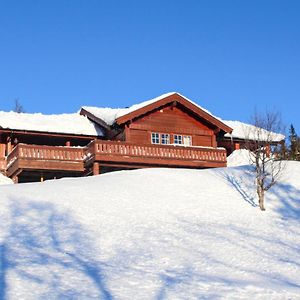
x,y
96,168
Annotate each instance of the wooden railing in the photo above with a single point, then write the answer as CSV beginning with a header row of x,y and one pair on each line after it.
x,y
156,151
45,153
109,150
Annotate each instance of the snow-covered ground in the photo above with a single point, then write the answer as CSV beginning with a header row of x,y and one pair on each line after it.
x,y
151,234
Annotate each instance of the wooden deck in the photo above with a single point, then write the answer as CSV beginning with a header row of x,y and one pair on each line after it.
x,y
111,153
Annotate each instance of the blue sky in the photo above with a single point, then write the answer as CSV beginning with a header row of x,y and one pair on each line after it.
x,y
229,56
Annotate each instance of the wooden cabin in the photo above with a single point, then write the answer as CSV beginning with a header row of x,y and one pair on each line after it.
x,y
168,131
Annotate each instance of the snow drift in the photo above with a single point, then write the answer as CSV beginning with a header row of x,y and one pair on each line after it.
x,y
5,180
151,234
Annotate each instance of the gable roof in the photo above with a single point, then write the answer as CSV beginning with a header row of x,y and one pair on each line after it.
x,y
121,115
62,123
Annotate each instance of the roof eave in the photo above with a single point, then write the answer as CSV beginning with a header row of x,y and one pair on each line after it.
x,y
94,119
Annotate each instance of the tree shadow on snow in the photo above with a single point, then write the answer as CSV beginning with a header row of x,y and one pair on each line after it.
x,y
286,195
218,272
289,200
243,185
48,250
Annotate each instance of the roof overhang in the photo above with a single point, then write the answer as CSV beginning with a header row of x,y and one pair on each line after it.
x,y
93,118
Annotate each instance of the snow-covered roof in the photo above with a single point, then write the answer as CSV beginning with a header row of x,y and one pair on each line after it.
x,y
250,132
240,130
109,115
62,123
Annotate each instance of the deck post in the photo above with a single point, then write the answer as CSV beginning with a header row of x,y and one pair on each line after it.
x,y
268,150
236,146
96,168
42,177
8,146
68,143
15,179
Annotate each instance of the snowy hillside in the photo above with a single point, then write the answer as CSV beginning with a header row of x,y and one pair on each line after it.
x,y
151,234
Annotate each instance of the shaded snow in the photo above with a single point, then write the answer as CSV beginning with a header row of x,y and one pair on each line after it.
x,y
151,234
63,123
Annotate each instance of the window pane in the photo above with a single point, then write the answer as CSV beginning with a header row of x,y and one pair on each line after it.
x,y
165,138
177,139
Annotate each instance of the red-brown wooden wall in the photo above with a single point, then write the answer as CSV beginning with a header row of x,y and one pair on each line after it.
x,y
170,120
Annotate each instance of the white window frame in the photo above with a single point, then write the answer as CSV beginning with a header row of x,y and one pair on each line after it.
x,y
155,138
177,138
165,138
189,137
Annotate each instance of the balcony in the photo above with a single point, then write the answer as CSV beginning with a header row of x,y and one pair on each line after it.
x,y
121,154
52,158
80,161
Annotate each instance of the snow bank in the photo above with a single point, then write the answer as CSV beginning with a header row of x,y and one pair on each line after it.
x,y
63,123
5,180
239,158
151,234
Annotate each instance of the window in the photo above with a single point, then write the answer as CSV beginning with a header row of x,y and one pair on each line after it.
x,y
155,138
187,140
177,139
165,138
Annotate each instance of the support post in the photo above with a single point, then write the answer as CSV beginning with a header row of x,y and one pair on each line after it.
x,y
236,146
15,179
96,168
268,150
8,146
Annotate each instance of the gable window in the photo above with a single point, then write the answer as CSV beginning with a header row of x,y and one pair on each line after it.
x,y
155,138
165,138
177,139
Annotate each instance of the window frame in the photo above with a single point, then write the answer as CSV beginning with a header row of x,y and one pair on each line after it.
x,y
190,140
155,136
165,137
176,139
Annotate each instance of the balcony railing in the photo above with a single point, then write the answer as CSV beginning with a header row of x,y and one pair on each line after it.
x,y
41,157
45,153
167,152
40,153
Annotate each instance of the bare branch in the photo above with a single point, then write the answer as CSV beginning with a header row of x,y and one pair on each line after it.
x,y
262,140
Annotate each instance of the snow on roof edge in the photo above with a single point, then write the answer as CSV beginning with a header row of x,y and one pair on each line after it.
x,y
55,123
109,115
244,131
